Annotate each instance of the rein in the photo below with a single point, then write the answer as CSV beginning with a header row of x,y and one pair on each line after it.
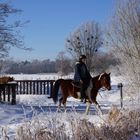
x,y
75,85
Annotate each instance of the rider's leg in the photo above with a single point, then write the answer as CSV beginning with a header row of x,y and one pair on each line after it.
x,y
84,87
82,91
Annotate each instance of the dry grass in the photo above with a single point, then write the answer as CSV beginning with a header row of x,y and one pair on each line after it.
x,y
119,125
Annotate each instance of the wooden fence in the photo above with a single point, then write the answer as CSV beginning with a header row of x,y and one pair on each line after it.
x,y
8,92
35,87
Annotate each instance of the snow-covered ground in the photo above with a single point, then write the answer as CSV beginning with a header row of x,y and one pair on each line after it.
x,y
30,106
51,76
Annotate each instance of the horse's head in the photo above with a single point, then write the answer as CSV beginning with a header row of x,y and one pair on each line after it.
x,y
105,80
10,79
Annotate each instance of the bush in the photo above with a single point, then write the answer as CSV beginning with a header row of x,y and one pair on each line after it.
x,y
118,125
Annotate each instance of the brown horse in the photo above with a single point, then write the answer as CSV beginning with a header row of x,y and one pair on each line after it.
x,y
6,79
69,89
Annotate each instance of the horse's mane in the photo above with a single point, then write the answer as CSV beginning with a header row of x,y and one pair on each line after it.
x,y
96,77
99,76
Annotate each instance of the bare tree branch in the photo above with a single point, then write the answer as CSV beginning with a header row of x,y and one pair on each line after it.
x,y
86,39
10,35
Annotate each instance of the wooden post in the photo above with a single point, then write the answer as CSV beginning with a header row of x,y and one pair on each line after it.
x,y
120,85
44,91
4,93
51,88
8,92
9,89
48,87
14,92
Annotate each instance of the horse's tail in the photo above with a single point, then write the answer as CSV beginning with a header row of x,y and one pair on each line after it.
x,y
56,89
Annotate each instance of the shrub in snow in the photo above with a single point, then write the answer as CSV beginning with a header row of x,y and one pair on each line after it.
x,y
118,125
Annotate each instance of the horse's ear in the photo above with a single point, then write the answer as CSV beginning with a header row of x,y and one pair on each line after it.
x,y
12,78
109,73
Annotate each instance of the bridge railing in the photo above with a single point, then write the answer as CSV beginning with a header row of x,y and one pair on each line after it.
x,y
35,87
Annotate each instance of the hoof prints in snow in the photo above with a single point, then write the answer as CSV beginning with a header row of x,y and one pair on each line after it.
x,y
30,111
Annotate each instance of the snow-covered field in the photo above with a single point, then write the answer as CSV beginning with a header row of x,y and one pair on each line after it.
x,y
30,106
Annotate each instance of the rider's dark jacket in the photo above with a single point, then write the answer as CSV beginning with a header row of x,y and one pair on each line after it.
x,y
81,72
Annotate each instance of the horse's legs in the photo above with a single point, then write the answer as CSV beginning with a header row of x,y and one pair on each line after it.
x,y
87,107
59,106
64,103
62,100
98,107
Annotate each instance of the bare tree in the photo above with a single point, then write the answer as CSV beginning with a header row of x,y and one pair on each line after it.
x,y
86,39
9,32
63,64
124,38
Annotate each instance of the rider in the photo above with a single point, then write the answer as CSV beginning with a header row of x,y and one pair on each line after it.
x,y
82,75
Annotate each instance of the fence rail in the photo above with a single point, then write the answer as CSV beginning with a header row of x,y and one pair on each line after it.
x,y
37,87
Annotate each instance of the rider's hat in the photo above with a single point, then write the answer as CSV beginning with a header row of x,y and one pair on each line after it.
x,y
82,56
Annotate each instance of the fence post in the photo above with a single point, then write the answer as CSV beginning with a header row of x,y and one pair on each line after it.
x,y
120,85
14,92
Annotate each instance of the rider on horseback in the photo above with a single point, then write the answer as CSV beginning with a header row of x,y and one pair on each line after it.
x,y
82,75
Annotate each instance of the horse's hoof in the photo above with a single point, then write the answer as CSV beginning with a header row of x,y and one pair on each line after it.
x,y
49,97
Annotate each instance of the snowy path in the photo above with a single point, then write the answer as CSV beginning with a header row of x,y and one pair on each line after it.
x,y
20,113
13,116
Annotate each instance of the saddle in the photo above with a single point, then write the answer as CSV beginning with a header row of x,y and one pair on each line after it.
x,y
78,86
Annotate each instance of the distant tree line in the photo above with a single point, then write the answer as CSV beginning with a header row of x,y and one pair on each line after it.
x,y
30,67
61,64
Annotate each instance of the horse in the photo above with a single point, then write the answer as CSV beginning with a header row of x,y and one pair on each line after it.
x,y
69,89
6,79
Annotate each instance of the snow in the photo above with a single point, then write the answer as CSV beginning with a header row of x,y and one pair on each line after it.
x,y
51,76
30,106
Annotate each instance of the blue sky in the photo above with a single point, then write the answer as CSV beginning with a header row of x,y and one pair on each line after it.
x,y
51,22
